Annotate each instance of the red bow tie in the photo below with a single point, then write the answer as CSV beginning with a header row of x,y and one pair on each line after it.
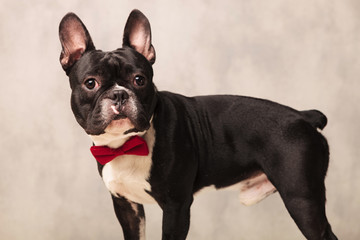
x,y
134,146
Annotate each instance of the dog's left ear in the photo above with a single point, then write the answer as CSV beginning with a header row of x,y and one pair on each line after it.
x,y
75,40
137,35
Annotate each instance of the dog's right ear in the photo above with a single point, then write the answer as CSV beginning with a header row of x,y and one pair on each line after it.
x,y
75,40
137,35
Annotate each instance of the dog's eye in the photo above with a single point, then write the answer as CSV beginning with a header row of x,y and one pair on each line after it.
x,y
139,81
90,83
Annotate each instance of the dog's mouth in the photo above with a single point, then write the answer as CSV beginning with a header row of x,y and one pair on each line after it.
x,y
124,121
123,124
118,113
117,119
119,116
121,119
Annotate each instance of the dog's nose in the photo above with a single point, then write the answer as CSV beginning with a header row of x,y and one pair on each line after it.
x,y
119,96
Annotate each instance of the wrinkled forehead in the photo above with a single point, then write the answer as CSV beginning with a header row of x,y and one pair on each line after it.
x,y
118,63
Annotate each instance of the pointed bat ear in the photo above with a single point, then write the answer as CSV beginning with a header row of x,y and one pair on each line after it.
x,y
137,35
75,40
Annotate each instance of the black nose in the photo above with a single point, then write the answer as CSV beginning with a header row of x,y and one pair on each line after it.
x,y
119,96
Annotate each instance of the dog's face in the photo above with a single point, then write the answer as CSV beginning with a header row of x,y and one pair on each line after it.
x,y
112,92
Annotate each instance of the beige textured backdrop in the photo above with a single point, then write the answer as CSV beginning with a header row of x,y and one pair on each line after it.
x,y
300,53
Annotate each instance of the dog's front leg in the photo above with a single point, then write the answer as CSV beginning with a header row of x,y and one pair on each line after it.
x,y
131,217
176,219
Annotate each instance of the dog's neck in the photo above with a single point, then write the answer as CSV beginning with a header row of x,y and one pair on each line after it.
x,y
115,139
112,140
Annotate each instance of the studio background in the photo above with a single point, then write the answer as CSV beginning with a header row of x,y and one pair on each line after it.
x,y
304,54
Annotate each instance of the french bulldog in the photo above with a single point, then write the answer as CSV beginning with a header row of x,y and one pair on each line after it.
x,y
160,147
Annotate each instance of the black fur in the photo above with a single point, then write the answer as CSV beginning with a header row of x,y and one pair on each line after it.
x,y
200,141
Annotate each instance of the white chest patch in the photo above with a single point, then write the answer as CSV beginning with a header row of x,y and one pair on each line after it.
x,y
127,175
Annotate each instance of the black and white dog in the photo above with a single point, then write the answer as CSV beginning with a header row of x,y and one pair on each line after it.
x,y
155,146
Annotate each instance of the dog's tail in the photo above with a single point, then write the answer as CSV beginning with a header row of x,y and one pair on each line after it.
x,y
316,118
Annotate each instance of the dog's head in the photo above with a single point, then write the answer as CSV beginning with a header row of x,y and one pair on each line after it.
x,y
112,92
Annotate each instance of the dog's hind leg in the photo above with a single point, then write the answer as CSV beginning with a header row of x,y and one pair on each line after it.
x,y
308,212
297,170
